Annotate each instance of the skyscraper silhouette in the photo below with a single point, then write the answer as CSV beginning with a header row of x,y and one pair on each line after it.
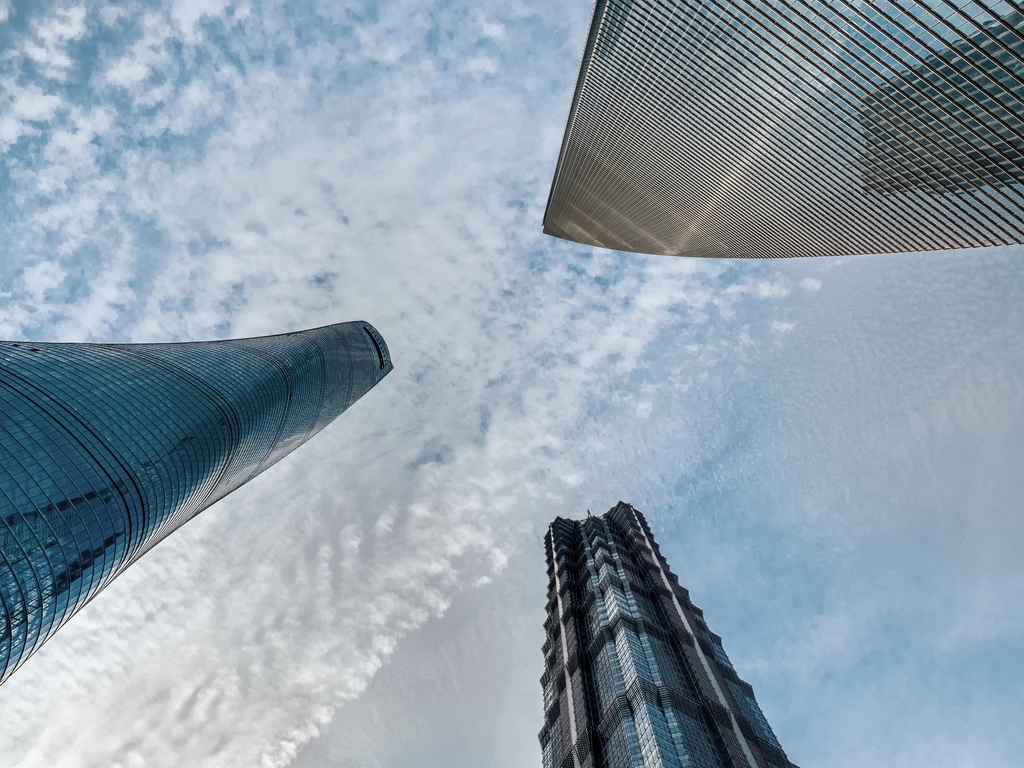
x,y
633,675
105,449
795,128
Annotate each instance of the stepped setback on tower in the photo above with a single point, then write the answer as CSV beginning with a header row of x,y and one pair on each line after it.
x,y
105,449
633,676
795,128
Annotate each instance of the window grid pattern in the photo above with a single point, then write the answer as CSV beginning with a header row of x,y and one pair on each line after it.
x,y
641,695
766,128
105,449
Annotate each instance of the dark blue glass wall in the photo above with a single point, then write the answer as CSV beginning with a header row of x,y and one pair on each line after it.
x,y
105,449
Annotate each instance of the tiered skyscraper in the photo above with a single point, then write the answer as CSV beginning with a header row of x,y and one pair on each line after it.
x,y
633,675
105,449
795,128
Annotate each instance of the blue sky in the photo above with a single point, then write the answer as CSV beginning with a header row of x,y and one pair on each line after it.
x,y
828,450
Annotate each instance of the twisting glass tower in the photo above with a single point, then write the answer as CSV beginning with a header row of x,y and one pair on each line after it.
x,y
795,128
105,449
633,676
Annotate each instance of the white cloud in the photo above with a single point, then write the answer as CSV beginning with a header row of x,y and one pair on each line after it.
x,y
10,131
34,105
492,31
127,71
481,65
110,15
22,108
42,277
47,49
188,13
772,289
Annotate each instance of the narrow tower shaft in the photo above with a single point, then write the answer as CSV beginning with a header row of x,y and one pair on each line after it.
x,y
633,675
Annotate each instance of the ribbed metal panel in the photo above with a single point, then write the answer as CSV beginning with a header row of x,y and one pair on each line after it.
x,y
795,128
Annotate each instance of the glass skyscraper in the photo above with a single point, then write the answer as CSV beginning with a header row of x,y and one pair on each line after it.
x,y
761,128
633,676
105,449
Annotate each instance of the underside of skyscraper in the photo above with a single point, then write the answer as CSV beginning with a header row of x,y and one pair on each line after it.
x,y
106,449
762,128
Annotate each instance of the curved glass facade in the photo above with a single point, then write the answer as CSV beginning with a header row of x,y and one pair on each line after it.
x,y
105,449
763,128
633,675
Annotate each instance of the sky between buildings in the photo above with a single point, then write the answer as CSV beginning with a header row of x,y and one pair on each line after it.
x,y
828,451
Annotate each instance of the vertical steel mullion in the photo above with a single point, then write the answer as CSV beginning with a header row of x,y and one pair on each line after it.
x,y
954,115
921,211
604,140
751,212
980,190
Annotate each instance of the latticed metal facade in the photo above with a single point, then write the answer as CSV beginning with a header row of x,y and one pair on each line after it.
x,y
762,128
633,676
105,449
